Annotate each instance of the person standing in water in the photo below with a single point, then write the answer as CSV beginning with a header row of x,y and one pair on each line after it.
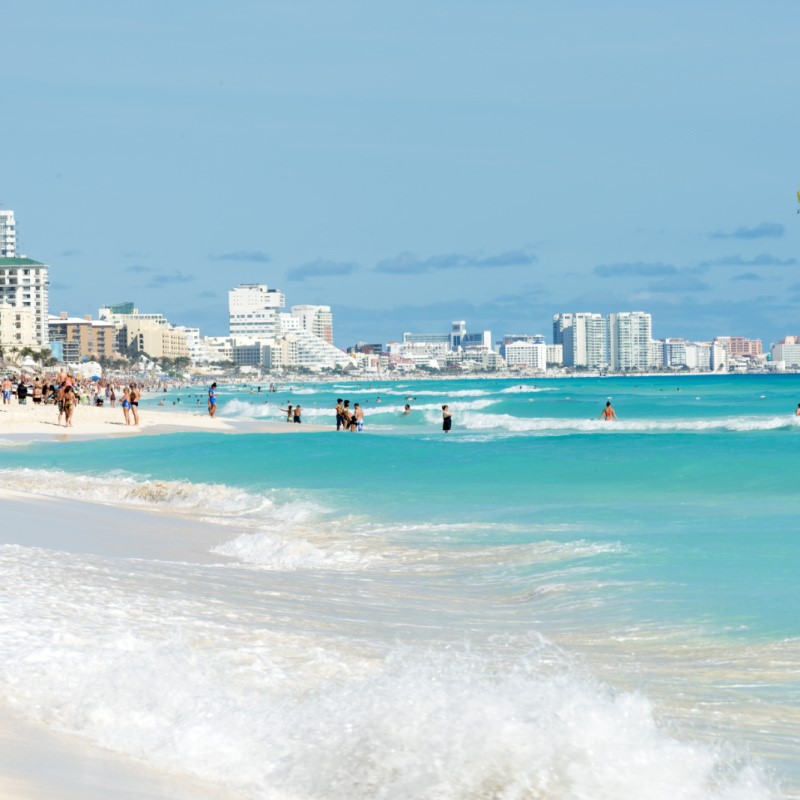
x,y
212,400
608,414
447,419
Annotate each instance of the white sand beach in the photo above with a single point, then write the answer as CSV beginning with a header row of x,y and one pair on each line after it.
x,y
88,421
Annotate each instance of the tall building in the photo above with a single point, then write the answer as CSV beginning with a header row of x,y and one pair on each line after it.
x,y
253,311
630,342
24,283
315,319
458,330
583,337
8,234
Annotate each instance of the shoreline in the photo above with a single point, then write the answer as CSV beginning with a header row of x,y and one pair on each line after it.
x,y
23,421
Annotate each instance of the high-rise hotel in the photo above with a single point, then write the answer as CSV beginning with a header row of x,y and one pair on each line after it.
x,y
24,287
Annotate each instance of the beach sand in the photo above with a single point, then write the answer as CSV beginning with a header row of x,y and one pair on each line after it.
x,y
37,762
41,422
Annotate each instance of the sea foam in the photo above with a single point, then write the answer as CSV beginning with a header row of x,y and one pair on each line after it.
x,y
143,667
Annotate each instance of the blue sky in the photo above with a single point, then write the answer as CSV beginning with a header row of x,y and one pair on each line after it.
x,y
411,163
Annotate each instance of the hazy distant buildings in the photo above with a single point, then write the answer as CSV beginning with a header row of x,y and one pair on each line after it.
x,y
739,346
148,334
316,320
526,353
786,353
24,283
8,234
631,343
583,338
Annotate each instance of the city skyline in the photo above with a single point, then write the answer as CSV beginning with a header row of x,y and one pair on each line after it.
x,y
412,168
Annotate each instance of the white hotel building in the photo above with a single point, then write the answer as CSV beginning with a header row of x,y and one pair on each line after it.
x,y
24,284
263,335
8,234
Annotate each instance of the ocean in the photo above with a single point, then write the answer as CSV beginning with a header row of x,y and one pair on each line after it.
x,y
535,605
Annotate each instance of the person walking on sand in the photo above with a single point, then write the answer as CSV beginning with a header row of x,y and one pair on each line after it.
x,y
126,405
212,400
134,397
7,386
447,419
69,406
608,414
60,399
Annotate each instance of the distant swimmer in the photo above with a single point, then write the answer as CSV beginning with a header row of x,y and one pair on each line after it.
x,y
797,412
407,410
608,413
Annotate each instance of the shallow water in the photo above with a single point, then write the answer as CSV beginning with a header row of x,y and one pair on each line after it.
x,y
536,605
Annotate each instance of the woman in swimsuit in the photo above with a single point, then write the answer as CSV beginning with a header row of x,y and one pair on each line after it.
x,y
126,405
69,405
608,413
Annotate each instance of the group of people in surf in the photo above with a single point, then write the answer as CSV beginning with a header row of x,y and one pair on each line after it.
x,y
349,419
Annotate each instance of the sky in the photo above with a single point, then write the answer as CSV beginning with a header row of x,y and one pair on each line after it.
x,y
411,163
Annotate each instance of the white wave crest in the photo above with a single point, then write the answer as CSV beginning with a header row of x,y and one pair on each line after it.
x,y
506,422
242,409
119,488
524,389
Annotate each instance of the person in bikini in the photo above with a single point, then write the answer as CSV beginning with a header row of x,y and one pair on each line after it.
x,y
126,405
608,414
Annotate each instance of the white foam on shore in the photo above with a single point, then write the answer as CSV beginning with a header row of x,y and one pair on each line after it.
x,y
137,662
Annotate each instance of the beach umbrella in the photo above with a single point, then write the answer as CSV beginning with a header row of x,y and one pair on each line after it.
x,y
95,377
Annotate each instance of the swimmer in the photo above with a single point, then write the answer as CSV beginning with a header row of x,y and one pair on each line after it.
x,y
407,410
608,413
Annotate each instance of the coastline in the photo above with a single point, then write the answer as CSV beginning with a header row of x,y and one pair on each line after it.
x,y
23,421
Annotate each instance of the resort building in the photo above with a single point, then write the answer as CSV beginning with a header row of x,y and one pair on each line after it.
x,y
583,338
82,338
8,234
739,347
17,328
630,342
24,283
253,310
530,354
786,353
316,320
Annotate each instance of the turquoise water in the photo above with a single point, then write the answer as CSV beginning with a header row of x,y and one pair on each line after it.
x,y
658,554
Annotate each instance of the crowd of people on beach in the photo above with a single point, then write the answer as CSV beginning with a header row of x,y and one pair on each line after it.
x,y
66,392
